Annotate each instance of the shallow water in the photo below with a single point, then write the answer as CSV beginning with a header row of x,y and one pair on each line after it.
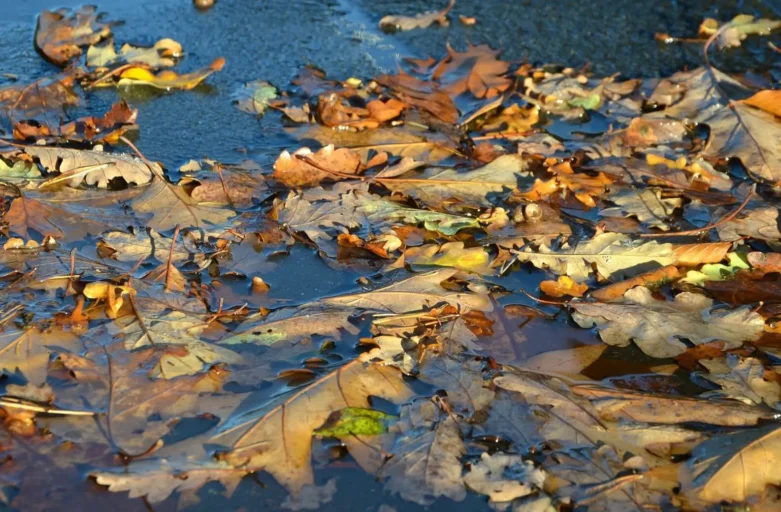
x,y
273,39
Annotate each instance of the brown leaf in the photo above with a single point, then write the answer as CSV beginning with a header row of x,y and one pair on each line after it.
x,y
582,185
280,441
384,111
45,97
651,278
692,255
766,262
393,23
769,101
422,95
617,405
60,34
476,70
325,164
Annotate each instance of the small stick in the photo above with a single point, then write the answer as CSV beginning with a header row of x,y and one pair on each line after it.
x,y
720,222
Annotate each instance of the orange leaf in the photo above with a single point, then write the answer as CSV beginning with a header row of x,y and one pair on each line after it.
x,y
564,286
654,277
691,255
769,101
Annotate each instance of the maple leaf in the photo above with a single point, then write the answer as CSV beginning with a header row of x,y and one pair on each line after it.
x,y
476,70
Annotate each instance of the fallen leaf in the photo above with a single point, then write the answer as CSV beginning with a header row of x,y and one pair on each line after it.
x,y
451,254
411,294
742,379
254,97
765,262
504,478
647,205
60,35
656,326
426,457
327,163
650,279
92,167
477,70
482,186
733,466
168,80
256,440
163,54
395,23
171,206
563,286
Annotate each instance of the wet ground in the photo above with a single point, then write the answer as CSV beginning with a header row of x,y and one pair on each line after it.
x,y
272,39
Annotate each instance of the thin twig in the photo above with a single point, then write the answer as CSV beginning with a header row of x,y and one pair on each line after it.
x,y
329,171
711,71
11,402
168,275
720,222
152,167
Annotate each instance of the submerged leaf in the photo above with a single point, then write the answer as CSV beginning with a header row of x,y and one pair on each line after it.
x,y
656,326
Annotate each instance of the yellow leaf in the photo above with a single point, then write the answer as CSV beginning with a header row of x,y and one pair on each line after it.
x,y
564,286
168,79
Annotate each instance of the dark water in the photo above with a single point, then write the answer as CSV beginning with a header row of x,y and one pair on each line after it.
x,y
272,39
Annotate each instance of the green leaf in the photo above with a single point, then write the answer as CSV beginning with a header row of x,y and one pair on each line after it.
x,y
718,271
253,97
590,102
355,421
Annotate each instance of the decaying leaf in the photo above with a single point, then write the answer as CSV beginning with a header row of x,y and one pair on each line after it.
x,y
305,168
657,327
256,441
92,167
733,466
647,205
60,35
163,54
403,23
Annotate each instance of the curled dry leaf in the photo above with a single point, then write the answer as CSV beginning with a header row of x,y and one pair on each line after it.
x,y
650,279
60,35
